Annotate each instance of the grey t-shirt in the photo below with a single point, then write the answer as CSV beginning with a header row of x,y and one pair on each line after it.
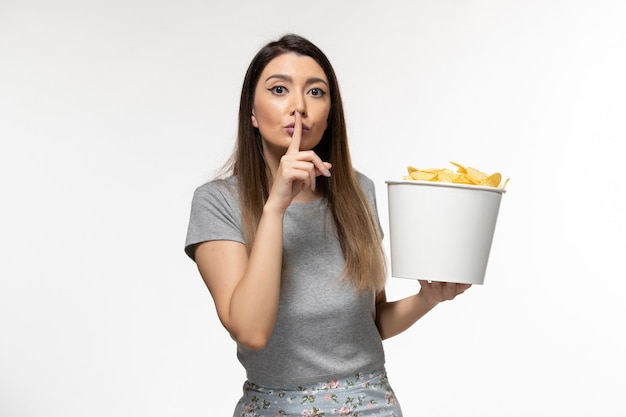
x,y
325,329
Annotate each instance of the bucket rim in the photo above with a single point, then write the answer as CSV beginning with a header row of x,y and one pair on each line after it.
x,y
446,184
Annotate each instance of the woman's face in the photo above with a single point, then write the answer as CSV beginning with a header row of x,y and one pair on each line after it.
x,y
291,83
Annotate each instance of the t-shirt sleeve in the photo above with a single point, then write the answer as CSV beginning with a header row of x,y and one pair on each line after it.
x,y
215,215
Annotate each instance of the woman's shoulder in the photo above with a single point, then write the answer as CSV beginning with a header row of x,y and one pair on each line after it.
x,y
365,181
218,184
218,188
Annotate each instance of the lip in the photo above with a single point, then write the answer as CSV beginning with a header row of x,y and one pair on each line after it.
x,y
291,127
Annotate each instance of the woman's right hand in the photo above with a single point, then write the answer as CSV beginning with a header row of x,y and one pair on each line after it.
x,y
246,285
297,170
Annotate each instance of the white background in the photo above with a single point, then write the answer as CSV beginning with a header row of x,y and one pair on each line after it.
x,y
112,112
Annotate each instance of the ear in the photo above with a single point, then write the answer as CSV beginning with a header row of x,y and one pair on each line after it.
x,y
254,122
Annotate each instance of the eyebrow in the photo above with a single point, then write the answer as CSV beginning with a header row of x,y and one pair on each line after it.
x,y
288,78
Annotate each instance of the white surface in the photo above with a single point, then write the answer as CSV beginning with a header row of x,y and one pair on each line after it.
x,y
440,231
112,112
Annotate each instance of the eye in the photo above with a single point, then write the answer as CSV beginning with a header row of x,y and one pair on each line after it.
x,y
317,92
279,90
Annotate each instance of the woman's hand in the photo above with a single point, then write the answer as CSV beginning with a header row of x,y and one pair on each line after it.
x,y
435,292
297,170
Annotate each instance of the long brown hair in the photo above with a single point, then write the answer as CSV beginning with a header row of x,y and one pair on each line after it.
x,y
358,230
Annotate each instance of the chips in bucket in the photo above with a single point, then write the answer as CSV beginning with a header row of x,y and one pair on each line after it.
x,y
463,175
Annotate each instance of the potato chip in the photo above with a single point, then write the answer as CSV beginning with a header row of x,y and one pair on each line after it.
x,y
420,175
463,175
493,180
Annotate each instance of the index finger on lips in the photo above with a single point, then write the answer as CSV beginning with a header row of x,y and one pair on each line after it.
x,y
296,137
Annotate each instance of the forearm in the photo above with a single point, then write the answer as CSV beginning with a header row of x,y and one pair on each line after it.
x,y
394,317
254,303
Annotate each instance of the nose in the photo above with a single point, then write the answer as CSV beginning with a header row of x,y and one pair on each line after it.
x,y
298,105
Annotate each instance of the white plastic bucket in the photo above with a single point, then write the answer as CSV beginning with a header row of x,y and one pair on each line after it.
x,y
441,231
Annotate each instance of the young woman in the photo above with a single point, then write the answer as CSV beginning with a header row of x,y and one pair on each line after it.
x,y
289,246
